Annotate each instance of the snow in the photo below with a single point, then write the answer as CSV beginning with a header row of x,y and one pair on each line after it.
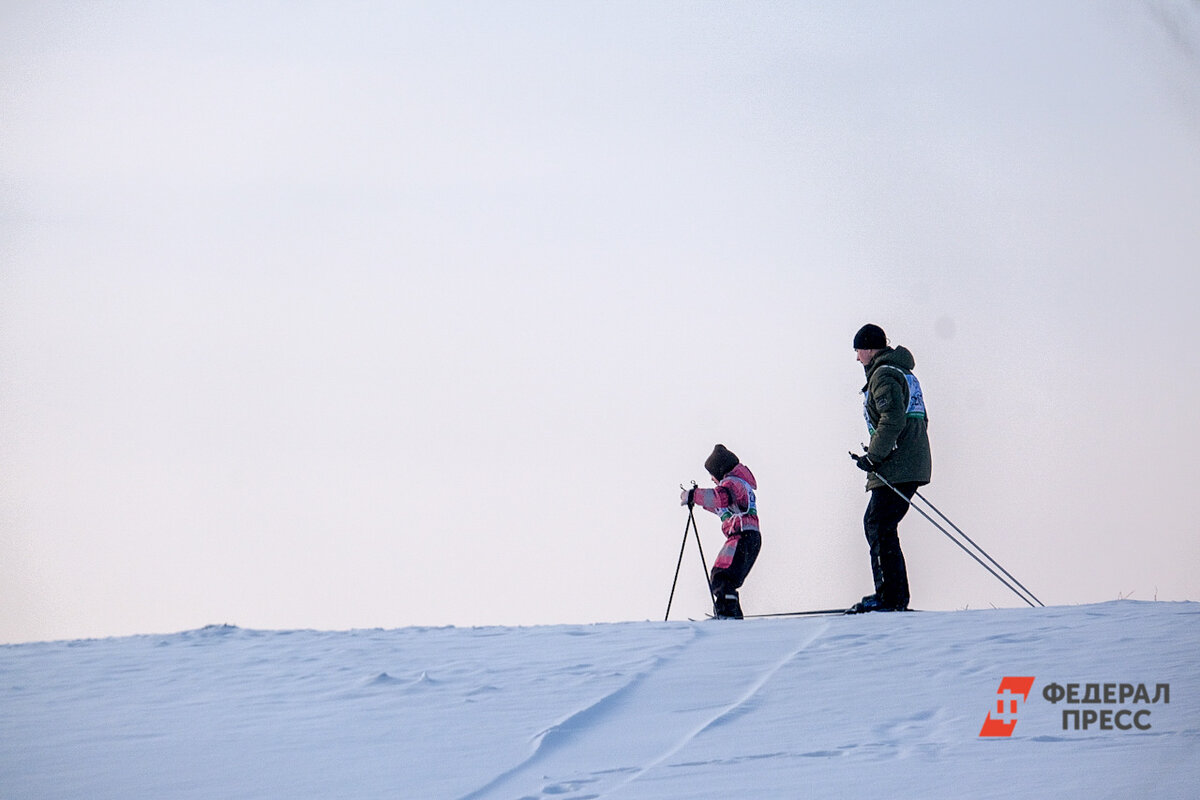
x,y
887,705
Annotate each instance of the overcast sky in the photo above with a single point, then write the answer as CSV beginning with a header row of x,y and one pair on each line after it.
x,y
373,314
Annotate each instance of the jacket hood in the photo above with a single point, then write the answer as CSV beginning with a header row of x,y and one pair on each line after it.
x,y
897,357
743,472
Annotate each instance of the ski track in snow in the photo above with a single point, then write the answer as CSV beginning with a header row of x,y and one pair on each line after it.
x,y
613,729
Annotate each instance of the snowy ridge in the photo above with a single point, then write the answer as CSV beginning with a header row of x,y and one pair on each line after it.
x,y
874,705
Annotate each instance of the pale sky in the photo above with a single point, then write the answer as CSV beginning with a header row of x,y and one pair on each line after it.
x,y
344,315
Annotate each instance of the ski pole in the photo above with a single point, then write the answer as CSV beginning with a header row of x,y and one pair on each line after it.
x,y
1007,574
678,564
964,548
703,561
691,523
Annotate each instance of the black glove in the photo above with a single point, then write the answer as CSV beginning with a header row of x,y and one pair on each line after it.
x,y
865,463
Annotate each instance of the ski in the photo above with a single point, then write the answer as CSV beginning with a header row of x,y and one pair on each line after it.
x,y
854,609
820,612
816,613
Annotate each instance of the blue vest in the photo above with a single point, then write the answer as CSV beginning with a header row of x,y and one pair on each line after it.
x,y
916,400
734,511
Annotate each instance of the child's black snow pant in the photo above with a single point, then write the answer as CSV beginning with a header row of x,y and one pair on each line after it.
x,y
726,581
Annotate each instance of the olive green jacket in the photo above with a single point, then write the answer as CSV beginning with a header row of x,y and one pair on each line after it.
x,y
899,439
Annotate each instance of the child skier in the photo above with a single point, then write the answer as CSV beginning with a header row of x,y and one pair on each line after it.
x,y
732,499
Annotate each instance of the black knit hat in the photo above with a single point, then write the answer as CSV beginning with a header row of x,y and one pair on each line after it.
x,y
721,462
870,337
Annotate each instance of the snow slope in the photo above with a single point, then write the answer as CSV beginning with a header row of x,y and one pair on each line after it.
x,y
867,706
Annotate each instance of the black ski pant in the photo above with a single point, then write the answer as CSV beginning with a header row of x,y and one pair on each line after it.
x,y
726,582
884,512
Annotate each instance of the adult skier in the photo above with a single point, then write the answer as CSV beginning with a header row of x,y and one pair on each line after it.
x,y
894,407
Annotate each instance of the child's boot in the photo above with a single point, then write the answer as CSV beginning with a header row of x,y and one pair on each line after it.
x,y
726,605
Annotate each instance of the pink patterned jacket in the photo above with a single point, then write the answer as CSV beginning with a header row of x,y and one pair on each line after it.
x,y
733,500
